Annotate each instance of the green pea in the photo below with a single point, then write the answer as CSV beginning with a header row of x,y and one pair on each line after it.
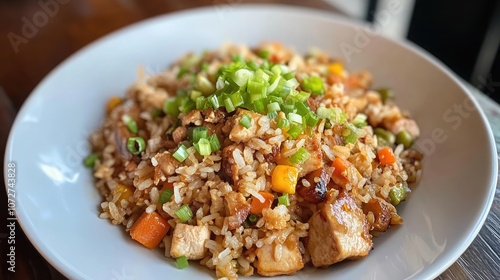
x,y
404,138
397,194
387,136
385,94
90,160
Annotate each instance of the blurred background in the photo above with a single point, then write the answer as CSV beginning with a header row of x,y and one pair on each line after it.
x,y
37,35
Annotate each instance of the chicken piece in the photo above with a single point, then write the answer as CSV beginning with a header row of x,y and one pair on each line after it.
x,y
239,209
189,241
381,214
240,133
315,161
228,164
338,231
213,116
193,117
406,124
165,165
276,218
315,189
289,263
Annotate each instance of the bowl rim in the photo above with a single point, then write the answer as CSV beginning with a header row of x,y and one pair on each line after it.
x,y
332,17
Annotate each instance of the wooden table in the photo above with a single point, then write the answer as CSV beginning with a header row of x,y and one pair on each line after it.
x,y
28,52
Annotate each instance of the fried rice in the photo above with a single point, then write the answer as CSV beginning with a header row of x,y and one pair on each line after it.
x,y
255,160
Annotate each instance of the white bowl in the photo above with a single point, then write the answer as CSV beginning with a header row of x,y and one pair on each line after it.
x,y
58,207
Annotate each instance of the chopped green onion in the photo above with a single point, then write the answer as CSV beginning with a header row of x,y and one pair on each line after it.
x,y
136,145
263,54
203,147
312,119
171,107
181,154
184,213
288,76
214,101
214,143
182,262
360,120
229,105
246,121
165,196
195,94
155,113
237,58
283,123
352,137
302,109
130,123
334,114
256,90
272,114
314,85
294,131
182,71
90,160
397,194
204,66
274,106
261,75
299,96
187,104
201,103
204,85
296,118
252,65
301,156
199,133
275,81
241,76
288,108
284,200
259,106
385,94
236,99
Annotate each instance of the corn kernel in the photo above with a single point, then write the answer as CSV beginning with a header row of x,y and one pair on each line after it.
x,y
284,179
123,192
336,68
113,102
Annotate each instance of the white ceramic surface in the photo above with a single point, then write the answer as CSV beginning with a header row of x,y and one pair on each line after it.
x,y
57,205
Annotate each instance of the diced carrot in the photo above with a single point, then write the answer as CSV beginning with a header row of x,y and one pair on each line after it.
x,y
257,206
284,179
386,156
113,102
149,229
168,185
340,166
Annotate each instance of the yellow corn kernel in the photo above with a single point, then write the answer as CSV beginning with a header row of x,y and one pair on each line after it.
x,y
123,192
336,68
113,102
284,179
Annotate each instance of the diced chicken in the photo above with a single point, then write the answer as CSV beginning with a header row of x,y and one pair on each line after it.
x,y
240,133
276,218
193,117
406,124
315,160
165,165
228,164
381,214
315,189
338,231
238,209
270,263
189,241
179,134
213,116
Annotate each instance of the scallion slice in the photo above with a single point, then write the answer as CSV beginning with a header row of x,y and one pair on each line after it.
x,y
171,107
296,118
312,119
283,123
200,103
246,121
263,54
90,160
214,101
272,114
294,131
352,137
199,133
136,145
214,142
274,106
300,156
284,200
130,123
314,85
241,76
184,213
229,105
165,196
181,154
203,147
360,120
182,262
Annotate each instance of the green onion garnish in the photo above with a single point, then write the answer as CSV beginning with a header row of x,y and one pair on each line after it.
x,y
184,213
214,143
199,133
90,160
295,118
283,123
165,196
181,154
352,137
229,105
136,145
204,85
203,147
200,103
299,96
294,131
283,200
360,120
130,123
246,121
300,156
214,101
273,106
182,262
171,107
314,85
312,119
241,76
272,114
263,54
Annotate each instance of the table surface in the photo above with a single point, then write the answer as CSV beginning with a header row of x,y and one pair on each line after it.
x,y
79,22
